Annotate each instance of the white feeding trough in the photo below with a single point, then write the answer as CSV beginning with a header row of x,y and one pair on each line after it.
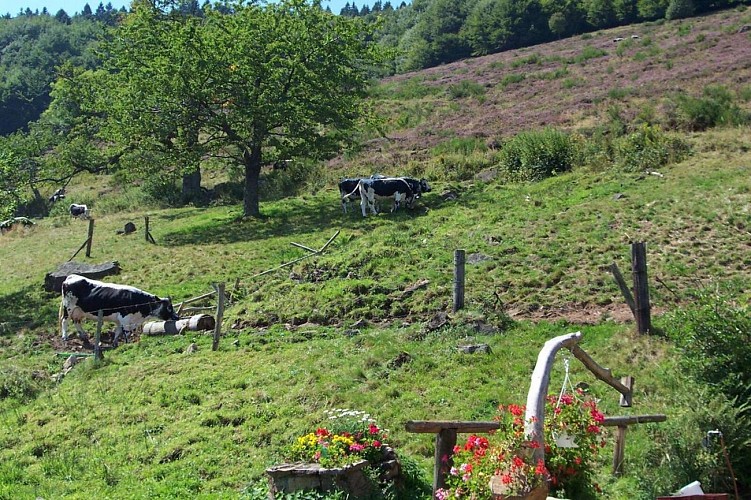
x,y
194,323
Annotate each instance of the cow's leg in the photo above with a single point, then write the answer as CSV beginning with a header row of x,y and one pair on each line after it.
x,y
63,316
81,333
364,204
118,331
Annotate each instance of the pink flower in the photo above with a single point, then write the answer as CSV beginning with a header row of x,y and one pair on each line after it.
x,y
454,471
376,443
356,447
441,494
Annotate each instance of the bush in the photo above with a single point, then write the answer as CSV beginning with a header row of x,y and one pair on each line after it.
x,y
715,336
714,108
535,155
466,88
677,451
647,148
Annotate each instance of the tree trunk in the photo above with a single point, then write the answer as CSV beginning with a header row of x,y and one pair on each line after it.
x,y
252,161
192,185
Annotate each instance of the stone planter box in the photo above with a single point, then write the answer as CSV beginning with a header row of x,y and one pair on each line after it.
x,y
288,478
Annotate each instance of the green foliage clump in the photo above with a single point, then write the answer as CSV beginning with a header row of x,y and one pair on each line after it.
x,y
648,147
511,79
714,108
715,336
462,145
535,155
466,88
19,384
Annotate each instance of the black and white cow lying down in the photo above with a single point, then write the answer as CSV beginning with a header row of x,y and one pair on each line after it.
x,y
126,306
399,189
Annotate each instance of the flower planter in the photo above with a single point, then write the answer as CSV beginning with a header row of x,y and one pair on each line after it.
x,y
499,491
351,479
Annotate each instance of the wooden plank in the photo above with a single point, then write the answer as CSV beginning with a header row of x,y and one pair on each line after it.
x,y
444,450
534,416
620,450
633,419
627,399
623,286
436,426
303,247
601,373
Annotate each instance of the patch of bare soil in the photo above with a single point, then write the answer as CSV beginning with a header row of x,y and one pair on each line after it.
x,y
76,345
588,314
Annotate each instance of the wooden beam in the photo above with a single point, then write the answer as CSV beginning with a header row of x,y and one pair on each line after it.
x,y
625,291
436,426
641,287
601,373
444,450
534,417
634,419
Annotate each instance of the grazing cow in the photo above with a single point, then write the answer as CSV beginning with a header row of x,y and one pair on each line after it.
x,y
80,211
59,194
124,305
370,190
348,185
418,187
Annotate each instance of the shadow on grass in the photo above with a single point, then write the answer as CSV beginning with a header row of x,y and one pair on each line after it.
x,y
291,217
29,307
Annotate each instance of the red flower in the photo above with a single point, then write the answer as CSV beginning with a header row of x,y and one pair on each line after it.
x,y
593,429
541,469
518,461
322,432
377,444
506,478
516,410
373,429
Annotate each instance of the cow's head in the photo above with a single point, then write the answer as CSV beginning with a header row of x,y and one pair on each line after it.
x,y
165,310
424,186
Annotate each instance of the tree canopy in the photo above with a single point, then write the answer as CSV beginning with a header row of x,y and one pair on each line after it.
x,y
256,85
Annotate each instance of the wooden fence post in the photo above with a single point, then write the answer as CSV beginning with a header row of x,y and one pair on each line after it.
x,y
219,313
641,287
98,336
91,237
458,279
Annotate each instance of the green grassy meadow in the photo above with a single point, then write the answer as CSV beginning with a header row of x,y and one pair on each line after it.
x,y
354,327
155,422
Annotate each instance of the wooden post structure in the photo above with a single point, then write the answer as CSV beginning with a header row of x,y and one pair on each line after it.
x,y
219,313
147,234
91,238
620,442
98,336
445,440
641,287
458,280
624,287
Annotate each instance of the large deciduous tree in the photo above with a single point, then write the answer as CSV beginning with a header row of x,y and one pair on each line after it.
x,y
255,84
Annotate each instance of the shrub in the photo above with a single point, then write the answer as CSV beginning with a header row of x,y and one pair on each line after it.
x,y
647,148
715,336
462,145
715,107
465,88
535,155
511,79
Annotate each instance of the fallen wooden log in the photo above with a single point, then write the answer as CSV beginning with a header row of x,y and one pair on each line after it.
x,y
194,323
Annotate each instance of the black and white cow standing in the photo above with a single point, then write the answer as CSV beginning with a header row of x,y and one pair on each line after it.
x,y
348,185
371,190
126,306
80,211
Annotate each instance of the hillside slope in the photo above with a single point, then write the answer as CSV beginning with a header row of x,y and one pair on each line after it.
x,y
367,324
573,83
